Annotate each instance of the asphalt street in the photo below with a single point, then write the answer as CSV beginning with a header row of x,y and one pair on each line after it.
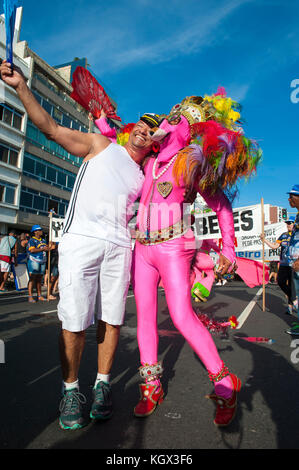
x,y
267,416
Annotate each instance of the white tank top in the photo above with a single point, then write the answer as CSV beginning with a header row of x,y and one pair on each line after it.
x,y
105,190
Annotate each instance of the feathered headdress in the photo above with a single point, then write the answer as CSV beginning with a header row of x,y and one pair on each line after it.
x,y
219,154
223,109
123,135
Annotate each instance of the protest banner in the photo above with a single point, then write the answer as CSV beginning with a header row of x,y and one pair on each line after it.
x,y
247,221
56,229
55,233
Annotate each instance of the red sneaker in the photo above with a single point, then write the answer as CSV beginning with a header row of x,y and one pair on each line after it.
x,y
226,408
149,399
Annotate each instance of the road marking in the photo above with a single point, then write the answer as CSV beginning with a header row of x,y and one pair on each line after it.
x,y
44,375
44,313
246,312
17,297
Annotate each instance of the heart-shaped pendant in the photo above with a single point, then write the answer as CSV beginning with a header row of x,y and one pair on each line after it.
x,y
165,188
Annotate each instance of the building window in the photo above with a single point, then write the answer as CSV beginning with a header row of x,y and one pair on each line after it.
x,y
11,116
51,174
26,199
17,121
47,106
4,154
37,138
7,192
48,172
57,115
9,155
7,116
75,125
41,203
66,121
40,169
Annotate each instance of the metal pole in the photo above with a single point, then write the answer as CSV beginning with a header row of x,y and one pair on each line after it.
x,y
263,255
49,254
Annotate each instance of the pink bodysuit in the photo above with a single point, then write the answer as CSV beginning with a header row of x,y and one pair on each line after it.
x,y
170,260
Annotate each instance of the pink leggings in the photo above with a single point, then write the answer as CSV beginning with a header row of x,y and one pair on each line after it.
x,y
171,261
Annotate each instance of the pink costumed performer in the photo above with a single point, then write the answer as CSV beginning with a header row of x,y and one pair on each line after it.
x,y
160,217
165,246
164,250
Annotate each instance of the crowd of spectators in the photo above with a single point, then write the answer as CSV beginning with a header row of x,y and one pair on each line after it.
x,y
30,249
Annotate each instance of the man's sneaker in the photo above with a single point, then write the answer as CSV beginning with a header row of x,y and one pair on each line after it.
x,y
293,332
71,416
102,401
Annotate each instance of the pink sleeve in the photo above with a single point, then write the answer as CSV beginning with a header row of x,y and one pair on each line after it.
x,y
210,245
219,203
105,129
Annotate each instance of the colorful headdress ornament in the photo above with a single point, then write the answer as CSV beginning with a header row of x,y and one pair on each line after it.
x,y
191,108
123,135
223,109
218,155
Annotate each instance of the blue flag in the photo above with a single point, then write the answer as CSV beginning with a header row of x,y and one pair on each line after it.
x,y
10,7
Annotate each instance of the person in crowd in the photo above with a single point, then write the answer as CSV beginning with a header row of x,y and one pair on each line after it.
x,y
273,266
22,247
53,272
285,275
293,248
8,249
97,278
164,249
37,260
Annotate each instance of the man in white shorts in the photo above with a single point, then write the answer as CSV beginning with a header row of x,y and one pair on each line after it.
x,y
7,248
95,251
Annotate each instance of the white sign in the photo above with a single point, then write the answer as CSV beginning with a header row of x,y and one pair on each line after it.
x,y
56,229
250,246
254,243
247,221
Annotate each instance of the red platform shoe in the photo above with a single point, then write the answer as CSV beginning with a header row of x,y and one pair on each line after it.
x,y
150,398
226,408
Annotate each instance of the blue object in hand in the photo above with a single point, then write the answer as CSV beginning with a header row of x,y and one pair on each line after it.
x,y
10,7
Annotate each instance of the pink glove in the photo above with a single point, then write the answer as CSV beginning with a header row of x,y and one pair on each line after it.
x,y
105,129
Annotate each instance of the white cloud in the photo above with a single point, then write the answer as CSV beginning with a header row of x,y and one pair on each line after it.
x,y
238,91
116,37
196,35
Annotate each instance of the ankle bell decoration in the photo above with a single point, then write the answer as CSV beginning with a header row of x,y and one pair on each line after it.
x,y
151,372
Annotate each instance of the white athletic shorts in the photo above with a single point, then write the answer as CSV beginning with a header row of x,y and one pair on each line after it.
x,y
94,278
4,267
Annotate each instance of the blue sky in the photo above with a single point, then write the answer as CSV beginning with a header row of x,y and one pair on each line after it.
x,y
150,55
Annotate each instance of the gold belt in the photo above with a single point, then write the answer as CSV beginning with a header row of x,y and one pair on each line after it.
x,y
162,235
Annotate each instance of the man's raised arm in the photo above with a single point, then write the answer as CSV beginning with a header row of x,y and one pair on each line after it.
x,y
77,143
